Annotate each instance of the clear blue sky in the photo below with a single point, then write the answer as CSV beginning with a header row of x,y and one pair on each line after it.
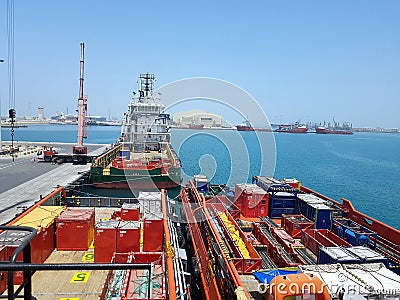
x,y
301,60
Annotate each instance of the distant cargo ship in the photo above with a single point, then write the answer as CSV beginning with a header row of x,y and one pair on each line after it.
x,y
144,158
325,130
246,126
292,128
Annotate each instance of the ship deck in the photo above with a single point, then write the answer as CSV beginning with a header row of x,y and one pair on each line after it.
x,y
150,154
83,285
78,284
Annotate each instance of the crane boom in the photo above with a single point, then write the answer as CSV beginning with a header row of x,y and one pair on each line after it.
x,y
82,110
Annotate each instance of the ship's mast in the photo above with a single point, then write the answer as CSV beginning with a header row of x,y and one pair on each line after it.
x,y
146,83
82,109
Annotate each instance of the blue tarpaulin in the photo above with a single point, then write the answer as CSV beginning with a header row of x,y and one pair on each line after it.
x,y
267,276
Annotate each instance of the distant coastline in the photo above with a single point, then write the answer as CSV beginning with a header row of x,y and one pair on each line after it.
x,y
25,123
21,123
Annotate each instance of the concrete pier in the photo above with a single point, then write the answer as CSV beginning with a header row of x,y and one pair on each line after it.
x,y
24,180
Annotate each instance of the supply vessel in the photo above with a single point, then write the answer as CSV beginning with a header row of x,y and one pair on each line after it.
x,y
336,128
271,239
143,158
246,126
292,128
325,130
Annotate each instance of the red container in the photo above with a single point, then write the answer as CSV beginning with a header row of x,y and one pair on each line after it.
x,y
75,229
128,236
42,218
294,224
47,240
3,274
105,241
11,239
293,183
130,212
252,200
309,241
153,232
286,240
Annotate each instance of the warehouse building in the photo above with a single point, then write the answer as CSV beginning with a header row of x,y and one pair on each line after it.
x,y
197,117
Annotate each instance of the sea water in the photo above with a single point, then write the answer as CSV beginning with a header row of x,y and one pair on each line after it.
x,y
363,167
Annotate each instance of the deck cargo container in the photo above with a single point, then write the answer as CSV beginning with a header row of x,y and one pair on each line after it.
x,y
201,183
293,182
318,212
128,236
75,229
315,238
359,281
335,255
3,274
354,233
10,240
105,240
42,218
130,212
244,256
294,224
252,200
152,232
367,255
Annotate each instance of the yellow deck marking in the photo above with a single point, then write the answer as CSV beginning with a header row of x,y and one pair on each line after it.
x,y
91,245
88,257
80,277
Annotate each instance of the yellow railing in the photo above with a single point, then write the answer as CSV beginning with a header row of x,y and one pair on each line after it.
x,y
105,159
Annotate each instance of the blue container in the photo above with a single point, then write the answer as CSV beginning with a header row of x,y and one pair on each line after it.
x,y
320,213
278,212
334,255
125,153
282,203
356,239
201,183
323,218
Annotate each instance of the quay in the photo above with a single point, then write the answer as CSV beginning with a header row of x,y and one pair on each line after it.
x,y
25,180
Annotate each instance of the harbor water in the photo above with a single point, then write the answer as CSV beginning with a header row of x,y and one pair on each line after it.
x,y
363,167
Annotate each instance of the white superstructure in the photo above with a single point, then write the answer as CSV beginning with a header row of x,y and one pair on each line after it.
x,y
145,126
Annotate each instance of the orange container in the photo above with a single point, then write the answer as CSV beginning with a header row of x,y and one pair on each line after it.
x,y
153,232
105,241
128,236
75,229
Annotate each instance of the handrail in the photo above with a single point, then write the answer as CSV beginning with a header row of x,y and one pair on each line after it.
x,y
231,267
105,159
26,258
170,268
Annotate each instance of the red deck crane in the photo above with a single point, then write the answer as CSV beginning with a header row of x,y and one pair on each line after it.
x,y
82,110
